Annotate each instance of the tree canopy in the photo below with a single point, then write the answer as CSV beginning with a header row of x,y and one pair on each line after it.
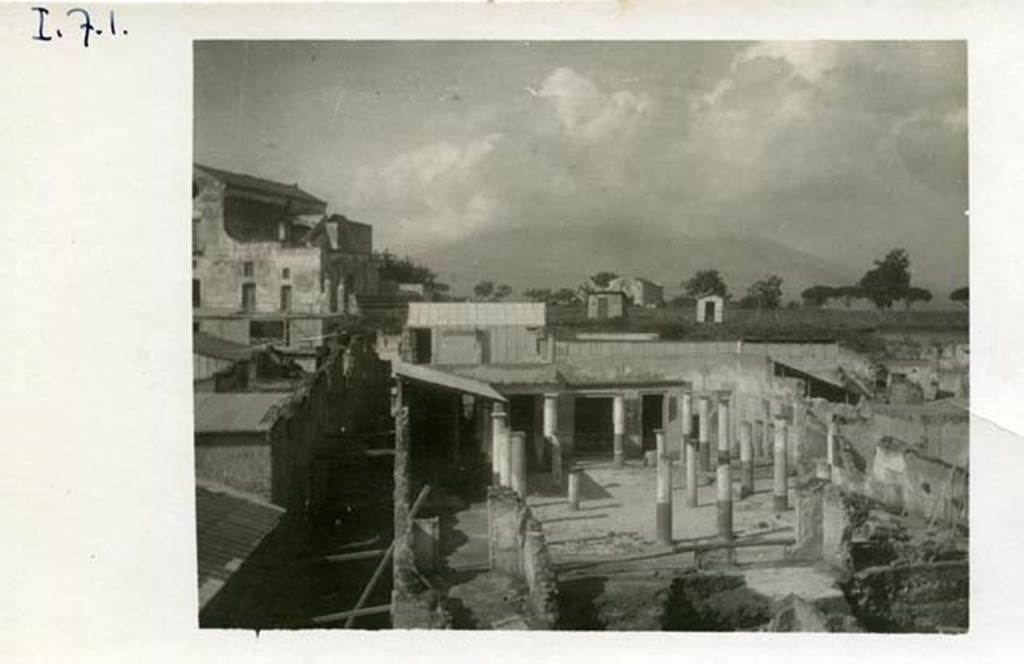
x,y
889,280
818,295
764,294
915,294
705,282
484,290
960,295
603,279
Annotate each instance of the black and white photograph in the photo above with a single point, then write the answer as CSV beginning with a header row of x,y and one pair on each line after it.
x,y
605,335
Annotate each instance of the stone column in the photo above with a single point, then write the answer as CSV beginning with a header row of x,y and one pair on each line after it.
x,y
795,440
619,428
780,500
551,436
704,445
724,476
499,444
517,462
746,460
574,489
689,455
663,506
767,441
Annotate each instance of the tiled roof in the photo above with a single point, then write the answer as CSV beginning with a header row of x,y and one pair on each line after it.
x,y
255,184
229,526
235,412
217,347
433,314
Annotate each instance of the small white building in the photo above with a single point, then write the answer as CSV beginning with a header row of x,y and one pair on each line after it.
x,y
710,309
642,292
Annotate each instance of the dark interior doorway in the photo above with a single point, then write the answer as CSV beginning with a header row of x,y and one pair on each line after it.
x,y
709,311
652,409
593,430
421,346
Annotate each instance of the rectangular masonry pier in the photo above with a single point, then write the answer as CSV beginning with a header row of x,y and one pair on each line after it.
x,y
746,460
663,507
780,500
723,473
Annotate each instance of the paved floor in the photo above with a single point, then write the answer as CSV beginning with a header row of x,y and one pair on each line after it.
x,y
612,573
617,513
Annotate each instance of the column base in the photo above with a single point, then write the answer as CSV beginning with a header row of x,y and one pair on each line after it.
x,y
725,520
780,503
663,523
746,479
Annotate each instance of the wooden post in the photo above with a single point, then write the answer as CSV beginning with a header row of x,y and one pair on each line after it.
x,y
830,442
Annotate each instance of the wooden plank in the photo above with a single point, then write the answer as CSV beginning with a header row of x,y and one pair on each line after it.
x,y
387,557
343,557
349,615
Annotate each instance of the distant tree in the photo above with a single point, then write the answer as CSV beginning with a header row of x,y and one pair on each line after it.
x,y
766,293
484,290
705,282
915,294
538,294
603,279
403,270
792,304
565,296
848,294
960,295
817,296
889,280
502,291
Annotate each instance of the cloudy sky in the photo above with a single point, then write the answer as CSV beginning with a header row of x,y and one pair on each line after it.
x,y
839,149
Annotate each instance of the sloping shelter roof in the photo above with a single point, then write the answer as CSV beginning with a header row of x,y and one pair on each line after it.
x,y
229,526
445,380
236,412
219,348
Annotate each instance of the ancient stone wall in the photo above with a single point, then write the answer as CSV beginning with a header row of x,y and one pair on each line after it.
x,y
518,548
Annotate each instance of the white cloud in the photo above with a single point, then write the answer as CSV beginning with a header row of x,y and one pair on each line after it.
x,y
809,60
589,114
435,188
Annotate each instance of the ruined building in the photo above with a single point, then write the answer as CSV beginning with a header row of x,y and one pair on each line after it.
x,y
268,265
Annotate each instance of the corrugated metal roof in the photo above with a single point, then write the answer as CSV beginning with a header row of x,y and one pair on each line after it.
x,y
229,526
235,412
445,380
435,314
